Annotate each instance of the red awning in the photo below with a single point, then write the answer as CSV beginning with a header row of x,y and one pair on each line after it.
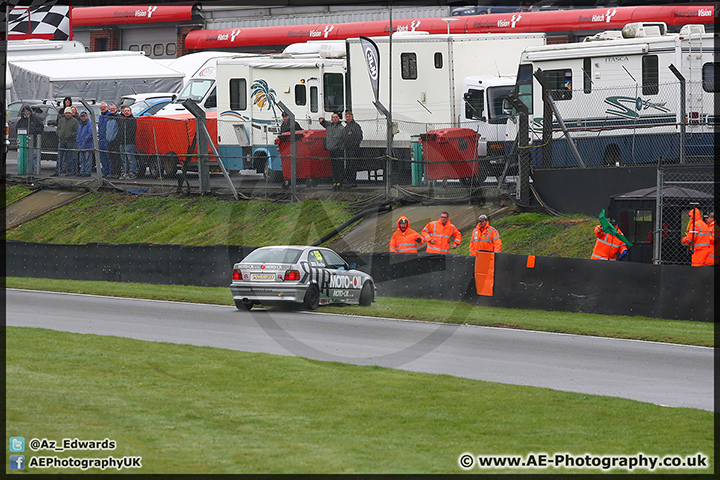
x,y
593,19
124,14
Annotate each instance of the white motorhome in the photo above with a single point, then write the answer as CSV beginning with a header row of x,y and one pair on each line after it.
x,y
432,77
199,70
619,98
308,79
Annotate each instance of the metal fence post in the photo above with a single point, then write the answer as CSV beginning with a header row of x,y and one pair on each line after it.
x,y
683,113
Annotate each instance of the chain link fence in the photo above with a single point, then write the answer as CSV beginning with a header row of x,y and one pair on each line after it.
x,y
680,190
627,125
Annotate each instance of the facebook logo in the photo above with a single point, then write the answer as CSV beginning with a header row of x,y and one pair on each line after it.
x,y
17,444
17,462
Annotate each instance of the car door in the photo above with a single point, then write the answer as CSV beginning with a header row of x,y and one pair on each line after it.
x,y
344,286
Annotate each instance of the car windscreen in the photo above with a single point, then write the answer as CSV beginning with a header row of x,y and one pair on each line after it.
x,y
273,255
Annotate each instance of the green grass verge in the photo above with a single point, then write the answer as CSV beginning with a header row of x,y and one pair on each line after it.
x,y
640,328
188,409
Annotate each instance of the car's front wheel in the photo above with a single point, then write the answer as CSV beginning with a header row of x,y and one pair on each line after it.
x,y
244,306
312,298
366,295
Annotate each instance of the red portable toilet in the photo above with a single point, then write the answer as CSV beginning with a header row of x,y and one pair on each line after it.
x,y
313,160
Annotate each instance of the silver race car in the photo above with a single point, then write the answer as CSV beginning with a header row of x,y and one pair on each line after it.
x,y
292,274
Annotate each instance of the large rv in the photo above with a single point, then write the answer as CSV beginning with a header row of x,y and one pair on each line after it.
x,y
619,98
438,81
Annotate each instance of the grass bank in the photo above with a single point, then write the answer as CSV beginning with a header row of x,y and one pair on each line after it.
x,y
188,409
638,328
119,218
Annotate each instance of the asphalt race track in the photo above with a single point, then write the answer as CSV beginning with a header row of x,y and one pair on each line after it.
x,y
664,374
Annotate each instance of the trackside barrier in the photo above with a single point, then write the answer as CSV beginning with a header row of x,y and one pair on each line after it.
x,y
555,284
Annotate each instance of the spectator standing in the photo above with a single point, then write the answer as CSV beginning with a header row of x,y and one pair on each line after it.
x,y
405,239
437,234
75,113
111,134
127,126
85,144
33,125
67,102
353,136
698,238
713,229
607,245
103,141
67,128
485,238
285,127
334,143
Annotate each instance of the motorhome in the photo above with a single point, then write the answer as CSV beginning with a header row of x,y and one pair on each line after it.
x,y
308,79
438,81
619,98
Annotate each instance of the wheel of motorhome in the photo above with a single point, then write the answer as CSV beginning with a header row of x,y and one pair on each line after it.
x,y
612,155
273,176
260,161
170,163
156,170
141,161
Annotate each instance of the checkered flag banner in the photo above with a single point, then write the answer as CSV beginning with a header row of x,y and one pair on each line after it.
x,y
47,19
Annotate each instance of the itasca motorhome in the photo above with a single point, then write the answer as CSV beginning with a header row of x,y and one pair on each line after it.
x,y
619,98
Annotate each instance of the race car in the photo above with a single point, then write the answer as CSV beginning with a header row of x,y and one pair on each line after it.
x,y
298,275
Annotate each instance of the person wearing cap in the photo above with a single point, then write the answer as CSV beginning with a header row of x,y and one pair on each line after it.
x,y
285,127
699,238
33,125
437,234
67,127
485,238
405,239
607,246
85,144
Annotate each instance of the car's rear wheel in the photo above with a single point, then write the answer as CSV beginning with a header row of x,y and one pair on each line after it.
x,y
366,295
312,298
244,306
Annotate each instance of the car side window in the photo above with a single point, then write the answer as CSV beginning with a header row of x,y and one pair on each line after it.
x,y
334,260
315,259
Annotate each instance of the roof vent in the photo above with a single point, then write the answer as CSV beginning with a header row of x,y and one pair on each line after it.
x,y
606,35
644,29
692,30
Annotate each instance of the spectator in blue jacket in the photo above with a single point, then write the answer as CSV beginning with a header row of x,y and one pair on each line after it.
x,y
103,140
85,144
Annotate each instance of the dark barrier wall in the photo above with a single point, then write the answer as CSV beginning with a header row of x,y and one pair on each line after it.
x,y
588,190
556,284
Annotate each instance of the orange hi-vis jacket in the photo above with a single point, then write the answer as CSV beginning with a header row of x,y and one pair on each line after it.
x,y
699,237
607,247
485,240
405,242
711,258
441,235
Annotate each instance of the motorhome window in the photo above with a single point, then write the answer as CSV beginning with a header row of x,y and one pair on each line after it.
x,y
147,49
158,49
195,89
496,96
408,66
650,75
238,94
170,49
474,104
334,92
587,75
314,99
559,83
438,60
134,48
300,94
709,76
211,102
